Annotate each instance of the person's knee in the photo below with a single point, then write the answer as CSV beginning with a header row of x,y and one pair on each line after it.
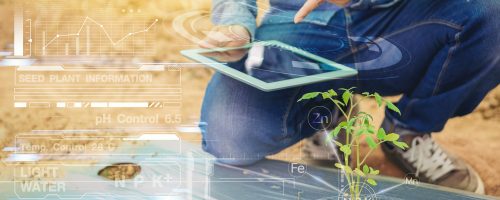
x,y
232,151
231,143
240,127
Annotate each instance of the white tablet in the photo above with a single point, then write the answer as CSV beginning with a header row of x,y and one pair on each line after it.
x,y
270,65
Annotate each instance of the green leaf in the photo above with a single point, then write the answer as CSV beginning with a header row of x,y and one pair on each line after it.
x,y
370,142
349,125
371,182
359,172
348,129
351,122
391,137
360,131
373,171
310,95
338,143
347,169
378,99
332,92
336,131
345,96
366,115
326,95
366,169
346,149
381,134
401,145
342,124
348,89
371,129
338,165
366,93
392,107
338,102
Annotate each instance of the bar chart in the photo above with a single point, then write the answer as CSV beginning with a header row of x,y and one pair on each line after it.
x,y
59,28
89,37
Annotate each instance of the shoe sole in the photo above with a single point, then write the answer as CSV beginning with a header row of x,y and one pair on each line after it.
x,y
392,157
480,183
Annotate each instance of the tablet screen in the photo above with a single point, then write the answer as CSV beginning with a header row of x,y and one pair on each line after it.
x,y
270,63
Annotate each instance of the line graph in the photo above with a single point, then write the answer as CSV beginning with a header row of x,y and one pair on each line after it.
x,y
103,29
79,28
93,37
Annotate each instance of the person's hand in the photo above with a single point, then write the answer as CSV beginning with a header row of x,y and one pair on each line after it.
x,y
310,5
226,37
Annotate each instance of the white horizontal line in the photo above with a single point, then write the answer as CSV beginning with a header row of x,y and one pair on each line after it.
x,y
66,131
20,105
98,104
23,157
152,68
193,129
40,68
170,137
6,149
128,104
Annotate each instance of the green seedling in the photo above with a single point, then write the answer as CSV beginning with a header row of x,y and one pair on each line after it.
x,y
358,129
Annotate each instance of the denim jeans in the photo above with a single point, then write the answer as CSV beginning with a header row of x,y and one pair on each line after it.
x,y
442,56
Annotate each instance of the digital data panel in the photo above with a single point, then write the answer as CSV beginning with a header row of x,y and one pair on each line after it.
x,y
99,102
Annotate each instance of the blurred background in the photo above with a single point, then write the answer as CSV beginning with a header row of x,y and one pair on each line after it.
x,y
475,138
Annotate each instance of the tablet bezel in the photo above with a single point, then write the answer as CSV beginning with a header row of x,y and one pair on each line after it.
x,y
343,71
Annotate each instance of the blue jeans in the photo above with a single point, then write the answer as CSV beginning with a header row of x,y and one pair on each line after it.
x,y
442,56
